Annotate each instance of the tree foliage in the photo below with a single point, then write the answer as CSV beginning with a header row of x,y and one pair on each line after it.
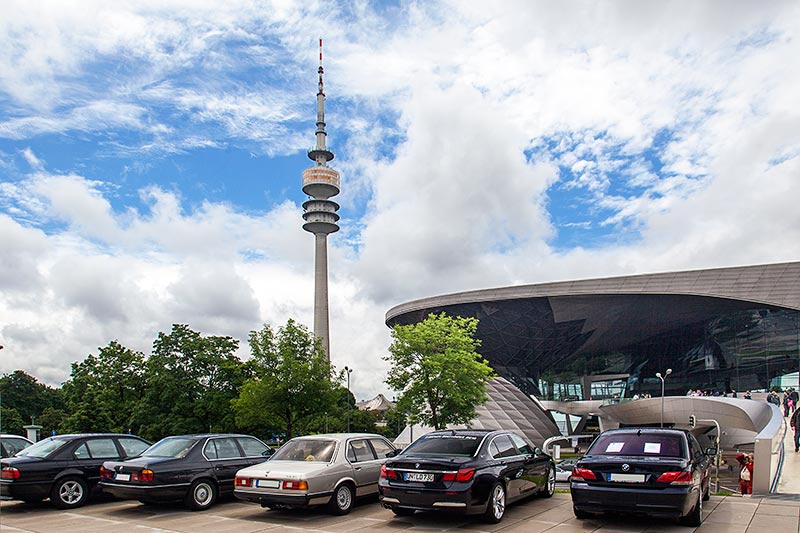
x,y
292,385
190,382
434,365
104,390
24,394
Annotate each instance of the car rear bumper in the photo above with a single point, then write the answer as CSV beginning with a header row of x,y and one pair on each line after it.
x,y
16,490
429,500
293,501
671,502
152,493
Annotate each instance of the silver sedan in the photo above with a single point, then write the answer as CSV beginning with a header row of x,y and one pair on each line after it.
x,y
332,469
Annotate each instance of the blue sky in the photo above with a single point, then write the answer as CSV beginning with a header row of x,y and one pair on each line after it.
x,y
151,156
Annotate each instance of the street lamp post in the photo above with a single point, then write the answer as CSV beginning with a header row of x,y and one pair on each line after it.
x,y
348,370
662,378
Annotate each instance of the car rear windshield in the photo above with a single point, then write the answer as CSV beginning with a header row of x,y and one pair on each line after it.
x,y
174,447
458,445
45,447
644,444
318,450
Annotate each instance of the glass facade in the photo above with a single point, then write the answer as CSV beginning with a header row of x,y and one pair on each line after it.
x,y
611,346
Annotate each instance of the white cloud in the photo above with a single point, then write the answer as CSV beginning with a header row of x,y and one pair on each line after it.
x,y
682,134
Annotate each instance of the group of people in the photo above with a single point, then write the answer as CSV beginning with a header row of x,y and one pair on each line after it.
x,y
790,400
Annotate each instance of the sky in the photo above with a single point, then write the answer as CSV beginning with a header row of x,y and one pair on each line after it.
x,y
151,155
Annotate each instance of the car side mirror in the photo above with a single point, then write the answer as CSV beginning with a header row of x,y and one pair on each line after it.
x,y
711,451
392,453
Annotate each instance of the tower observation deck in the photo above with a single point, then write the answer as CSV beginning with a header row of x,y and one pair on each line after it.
x,y
320,183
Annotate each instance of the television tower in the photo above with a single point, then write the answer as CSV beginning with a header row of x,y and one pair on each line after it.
x,y
321,182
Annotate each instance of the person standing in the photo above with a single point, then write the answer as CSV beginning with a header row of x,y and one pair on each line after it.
x,y
795,423
785,403
795,397
745,473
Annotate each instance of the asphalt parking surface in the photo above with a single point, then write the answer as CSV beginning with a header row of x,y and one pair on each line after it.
x,y
721,515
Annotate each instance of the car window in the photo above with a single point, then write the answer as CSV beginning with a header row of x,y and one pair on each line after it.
x,y
522,446
445,444
82,452
696,450
133,447
319,450
176,447
649,445
45,447
252,447
382,448
359,450
224,448
502,447
12,445
102,448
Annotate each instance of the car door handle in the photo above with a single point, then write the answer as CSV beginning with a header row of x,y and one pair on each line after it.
x,y
358,468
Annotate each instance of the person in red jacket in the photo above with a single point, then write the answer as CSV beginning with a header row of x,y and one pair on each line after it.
x,y
745,473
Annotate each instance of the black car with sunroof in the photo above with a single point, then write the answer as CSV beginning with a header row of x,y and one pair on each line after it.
x,y
465,471
657,472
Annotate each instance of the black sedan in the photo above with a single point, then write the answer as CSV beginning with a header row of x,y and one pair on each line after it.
x,y
466,471
65,468
651,471
195,469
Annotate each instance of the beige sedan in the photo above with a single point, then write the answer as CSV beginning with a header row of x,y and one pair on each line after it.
x,y
331,469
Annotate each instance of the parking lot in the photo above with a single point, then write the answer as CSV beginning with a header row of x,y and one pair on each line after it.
x,y
721,515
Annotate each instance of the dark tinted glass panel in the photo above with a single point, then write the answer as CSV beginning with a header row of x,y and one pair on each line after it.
x,y
638,444
465,445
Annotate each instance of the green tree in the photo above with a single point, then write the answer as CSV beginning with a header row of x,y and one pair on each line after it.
x,y
292,386
10,421
104,390
191,380
24,393
435,367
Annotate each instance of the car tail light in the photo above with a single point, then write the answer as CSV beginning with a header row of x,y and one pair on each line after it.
x,y
106,473
676,478
242,482
583,474
295,485
388,473
145,476
9,472
463,475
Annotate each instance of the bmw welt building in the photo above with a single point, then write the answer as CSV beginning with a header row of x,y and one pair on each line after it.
x,y
720,330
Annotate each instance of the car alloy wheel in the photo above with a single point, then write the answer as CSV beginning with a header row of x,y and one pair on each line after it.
x,y
550,484
69,493
496,507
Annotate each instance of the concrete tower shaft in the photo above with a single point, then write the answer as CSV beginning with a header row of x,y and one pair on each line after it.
x,y
321,182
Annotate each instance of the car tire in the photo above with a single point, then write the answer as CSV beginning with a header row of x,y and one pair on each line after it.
x,y
496,506
69,492
342,500
202,495
707,492
403,511
549,483
695,516
580,515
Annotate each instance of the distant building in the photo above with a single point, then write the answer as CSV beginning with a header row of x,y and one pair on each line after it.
x,y
379,404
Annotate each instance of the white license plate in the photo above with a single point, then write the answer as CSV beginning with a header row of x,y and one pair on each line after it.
x,y
415,476
627,478
122,477
268,483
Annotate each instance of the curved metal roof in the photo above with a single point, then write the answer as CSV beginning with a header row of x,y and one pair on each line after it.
x,y
775,284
